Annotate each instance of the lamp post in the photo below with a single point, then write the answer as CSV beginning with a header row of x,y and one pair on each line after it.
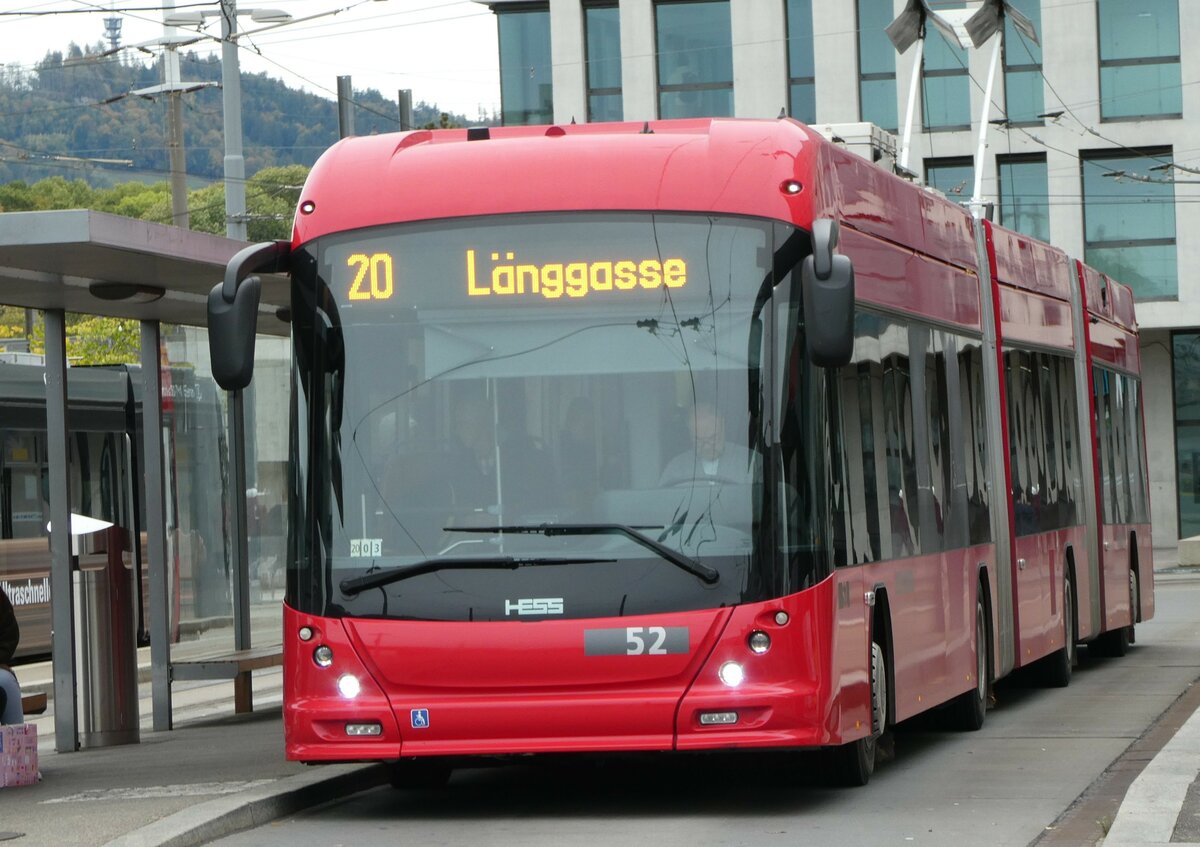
x,y
231,102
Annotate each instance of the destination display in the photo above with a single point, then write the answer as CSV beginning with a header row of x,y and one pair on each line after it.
x,y
610,257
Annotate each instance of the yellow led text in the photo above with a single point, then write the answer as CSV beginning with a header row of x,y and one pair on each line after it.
x,y
575,279
379,268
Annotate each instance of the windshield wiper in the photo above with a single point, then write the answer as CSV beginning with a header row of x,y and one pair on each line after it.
x,y
378,579
705,573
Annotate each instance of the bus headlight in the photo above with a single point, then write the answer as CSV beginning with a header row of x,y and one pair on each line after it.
x,y
348,686
323,656
731,674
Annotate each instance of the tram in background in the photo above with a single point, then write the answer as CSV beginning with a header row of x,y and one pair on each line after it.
x,y
686,435
104,421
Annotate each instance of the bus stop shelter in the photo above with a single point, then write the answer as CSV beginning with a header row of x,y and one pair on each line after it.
x,y
101,264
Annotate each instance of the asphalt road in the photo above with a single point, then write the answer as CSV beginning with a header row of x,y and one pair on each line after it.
x,y
1004,785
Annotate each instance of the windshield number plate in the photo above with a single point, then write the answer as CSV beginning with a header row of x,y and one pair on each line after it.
x,y
636,641
365,548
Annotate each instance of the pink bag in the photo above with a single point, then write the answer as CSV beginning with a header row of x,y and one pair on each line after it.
x,y
18,755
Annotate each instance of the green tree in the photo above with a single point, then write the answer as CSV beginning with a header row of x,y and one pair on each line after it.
x,y
94,340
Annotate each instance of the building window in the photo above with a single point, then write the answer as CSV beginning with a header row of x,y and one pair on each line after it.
x,y
802,94
526,93
876,65
603,27
1129,220
1023,67
1024,196
1186,362
953,177
945,84
1139,59
695,59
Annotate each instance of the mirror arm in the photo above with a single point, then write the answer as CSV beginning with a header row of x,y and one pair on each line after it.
x,y
266,257
825,241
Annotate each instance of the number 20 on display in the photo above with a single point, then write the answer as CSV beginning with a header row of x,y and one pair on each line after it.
x,y
372,276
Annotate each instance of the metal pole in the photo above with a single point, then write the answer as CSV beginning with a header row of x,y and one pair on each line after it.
x,y
345,95
62,613
179,193
237,523
406,112
235,227
977,194
231,105
242,690
912,100
171,76
156,523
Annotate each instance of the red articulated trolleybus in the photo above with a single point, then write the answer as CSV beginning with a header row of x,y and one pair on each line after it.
x,y
682,436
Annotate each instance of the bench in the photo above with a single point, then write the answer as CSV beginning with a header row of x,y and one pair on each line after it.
x,y
235,665
33,703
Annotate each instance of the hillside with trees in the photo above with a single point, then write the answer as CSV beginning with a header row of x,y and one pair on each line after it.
x,y
74,107
61,121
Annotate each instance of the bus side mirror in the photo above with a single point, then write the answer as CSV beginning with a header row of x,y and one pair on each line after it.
x,y
233,312
231,330
827,288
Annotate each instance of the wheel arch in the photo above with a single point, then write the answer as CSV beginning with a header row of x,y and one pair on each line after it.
x,y
983,584
881,625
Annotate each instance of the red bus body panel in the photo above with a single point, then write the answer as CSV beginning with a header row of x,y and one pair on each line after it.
x,y
1112,342
528,687
511,688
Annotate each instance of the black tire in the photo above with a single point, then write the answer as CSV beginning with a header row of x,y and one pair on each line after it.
x,y
851,765
420,773
1115,643
967,711
1058,666
1135,605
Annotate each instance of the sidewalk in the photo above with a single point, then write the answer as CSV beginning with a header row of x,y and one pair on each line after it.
x,y
212,775
184,787
1162,806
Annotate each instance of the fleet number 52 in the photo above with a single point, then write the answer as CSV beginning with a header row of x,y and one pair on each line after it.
x,y
645,640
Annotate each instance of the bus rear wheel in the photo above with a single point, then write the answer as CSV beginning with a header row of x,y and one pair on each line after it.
x,y
967,711
1057,667
852,764
1116,642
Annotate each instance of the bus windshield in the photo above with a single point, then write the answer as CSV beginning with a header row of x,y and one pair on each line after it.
x,y
480,398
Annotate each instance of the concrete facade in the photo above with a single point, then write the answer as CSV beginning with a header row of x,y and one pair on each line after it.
x,y
1069,38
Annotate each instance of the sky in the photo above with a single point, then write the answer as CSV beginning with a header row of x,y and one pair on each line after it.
x,y
444,50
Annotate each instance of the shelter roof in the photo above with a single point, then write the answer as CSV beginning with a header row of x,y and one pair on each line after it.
x,y
62,259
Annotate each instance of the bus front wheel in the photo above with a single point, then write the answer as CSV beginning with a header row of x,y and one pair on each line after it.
x,y
852,764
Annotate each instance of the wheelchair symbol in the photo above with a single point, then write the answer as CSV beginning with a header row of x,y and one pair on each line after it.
x,y
420,718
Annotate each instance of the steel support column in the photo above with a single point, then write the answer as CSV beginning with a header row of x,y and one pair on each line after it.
x,y
241,553
62,613
156,522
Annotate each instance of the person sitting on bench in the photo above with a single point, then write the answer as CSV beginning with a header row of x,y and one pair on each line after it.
x,y
10,692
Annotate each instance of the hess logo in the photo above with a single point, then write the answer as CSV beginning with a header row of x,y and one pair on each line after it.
x,y
534,606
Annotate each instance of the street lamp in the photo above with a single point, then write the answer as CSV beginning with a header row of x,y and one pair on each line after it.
x,y
231,101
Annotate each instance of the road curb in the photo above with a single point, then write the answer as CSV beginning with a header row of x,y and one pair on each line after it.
x,y
224,816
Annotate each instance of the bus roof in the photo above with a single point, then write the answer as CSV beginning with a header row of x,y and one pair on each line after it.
x,y
717,165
